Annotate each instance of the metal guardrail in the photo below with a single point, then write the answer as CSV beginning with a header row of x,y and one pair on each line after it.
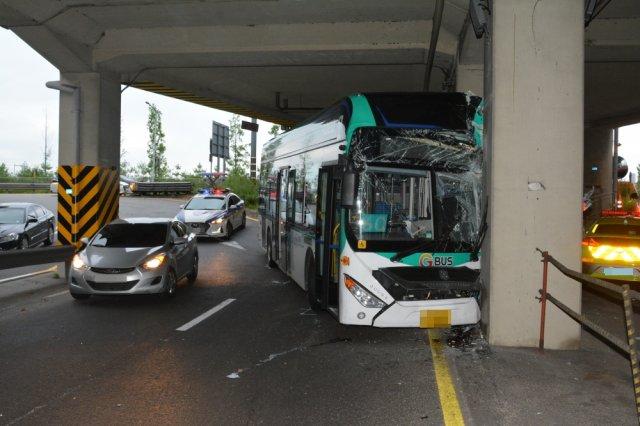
x,y
20,186
628,347
161,187
36,256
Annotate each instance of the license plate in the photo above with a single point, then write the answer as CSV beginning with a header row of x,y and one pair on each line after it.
x,y
617,271
435,318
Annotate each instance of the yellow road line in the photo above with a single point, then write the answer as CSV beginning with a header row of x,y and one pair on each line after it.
x,y
250,218
446,389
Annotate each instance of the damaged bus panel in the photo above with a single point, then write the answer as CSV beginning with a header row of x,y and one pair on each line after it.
x,y
374,207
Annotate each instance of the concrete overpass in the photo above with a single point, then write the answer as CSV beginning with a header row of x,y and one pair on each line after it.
x,y
554,91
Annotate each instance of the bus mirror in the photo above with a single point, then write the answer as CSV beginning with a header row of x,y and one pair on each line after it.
x,y
349,187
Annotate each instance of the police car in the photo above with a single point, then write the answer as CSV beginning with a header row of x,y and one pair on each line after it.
x,y
217,214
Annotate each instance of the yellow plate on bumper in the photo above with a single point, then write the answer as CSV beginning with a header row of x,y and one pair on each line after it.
x,y
435,318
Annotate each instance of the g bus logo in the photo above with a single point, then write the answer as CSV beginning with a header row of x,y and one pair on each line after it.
x,y
428,260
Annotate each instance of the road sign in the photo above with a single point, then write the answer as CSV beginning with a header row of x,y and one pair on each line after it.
x,y
219,142
248,125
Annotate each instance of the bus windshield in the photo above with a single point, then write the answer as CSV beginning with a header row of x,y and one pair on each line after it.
x,y
416,185
393,204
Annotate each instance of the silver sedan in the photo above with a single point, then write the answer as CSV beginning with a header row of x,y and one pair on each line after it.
x,y
135,256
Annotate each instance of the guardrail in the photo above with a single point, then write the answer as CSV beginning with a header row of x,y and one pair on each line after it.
x,y
22,186
628,347
36,256
161,188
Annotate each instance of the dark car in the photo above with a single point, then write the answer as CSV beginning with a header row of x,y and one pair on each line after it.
x,y
24,225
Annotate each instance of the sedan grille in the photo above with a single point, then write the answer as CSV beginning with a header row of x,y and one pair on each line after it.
x,y
112,270
112,286
198,228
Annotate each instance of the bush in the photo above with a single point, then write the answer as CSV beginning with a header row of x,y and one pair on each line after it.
x,y
245,188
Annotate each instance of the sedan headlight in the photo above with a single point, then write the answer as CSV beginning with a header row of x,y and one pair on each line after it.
x,y
154,262
361,294
218,220
9,237
78,263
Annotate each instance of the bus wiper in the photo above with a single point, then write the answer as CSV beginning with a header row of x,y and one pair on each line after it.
x,y
402,254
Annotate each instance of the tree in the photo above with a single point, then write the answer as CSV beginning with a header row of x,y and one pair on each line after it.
x,y
238,150
156,149
125,167
199,170
275,130
4,171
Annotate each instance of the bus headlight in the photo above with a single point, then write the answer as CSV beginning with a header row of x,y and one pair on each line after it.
x,y
361,294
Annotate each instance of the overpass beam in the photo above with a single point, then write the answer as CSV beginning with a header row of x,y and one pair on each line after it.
x,y
535,166
89,153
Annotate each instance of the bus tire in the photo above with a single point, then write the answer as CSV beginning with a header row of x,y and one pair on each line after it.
x,y
270,261
312,288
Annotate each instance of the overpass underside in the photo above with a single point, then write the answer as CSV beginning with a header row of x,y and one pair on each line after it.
x,y
551,87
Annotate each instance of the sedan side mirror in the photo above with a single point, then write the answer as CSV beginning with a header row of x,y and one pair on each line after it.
x,y
31,219
179,241
84,241
181,206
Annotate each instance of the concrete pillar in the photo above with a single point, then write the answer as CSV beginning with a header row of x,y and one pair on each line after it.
x,y
89,154
99,120
598,154
535,164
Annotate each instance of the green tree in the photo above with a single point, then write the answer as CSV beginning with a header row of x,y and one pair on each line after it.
x,y
156,148
199,170
237,149
4,171
274,130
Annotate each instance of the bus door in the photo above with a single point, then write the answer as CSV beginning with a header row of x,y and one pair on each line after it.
x,y
282,228
328,236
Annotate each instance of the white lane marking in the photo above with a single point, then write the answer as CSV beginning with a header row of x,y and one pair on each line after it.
x,y
57,294
233,244
250,218
32,274
206,315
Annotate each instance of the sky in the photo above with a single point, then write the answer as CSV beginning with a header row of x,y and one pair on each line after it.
x,y
25,102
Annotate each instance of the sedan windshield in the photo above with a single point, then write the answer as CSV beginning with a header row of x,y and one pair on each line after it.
x,y
206,203
393,204
123,235
11,215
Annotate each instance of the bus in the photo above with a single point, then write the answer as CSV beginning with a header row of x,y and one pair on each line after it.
x,y
374,207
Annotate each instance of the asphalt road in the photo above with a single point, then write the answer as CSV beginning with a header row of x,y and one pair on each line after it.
x,y
263,358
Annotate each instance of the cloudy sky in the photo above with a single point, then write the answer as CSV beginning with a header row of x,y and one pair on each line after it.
x,y
24,102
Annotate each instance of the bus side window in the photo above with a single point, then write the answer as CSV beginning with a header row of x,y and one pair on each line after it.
x,y
273,198
299,195
291,207
310,203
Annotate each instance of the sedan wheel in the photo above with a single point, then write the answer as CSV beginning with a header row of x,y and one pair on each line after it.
x,y
50,237
170,287
193,275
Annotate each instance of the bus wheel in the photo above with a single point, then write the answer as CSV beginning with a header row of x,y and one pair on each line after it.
x,y
271,262
312,288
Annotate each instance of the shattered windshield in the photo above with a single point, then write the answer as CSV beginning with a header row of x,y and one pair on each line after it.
x,y
416,185
393,204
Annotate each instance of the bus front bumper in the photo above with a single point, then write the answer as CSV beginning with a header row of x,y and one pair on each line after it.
x,y
410,314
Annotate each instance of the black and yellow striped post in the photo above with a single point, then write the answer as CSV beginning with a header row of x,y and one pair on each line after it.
x,y
631,339
87,199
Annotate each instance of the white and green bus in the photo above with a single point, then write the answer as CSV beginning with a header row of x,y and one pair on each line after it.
x,y
374,208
